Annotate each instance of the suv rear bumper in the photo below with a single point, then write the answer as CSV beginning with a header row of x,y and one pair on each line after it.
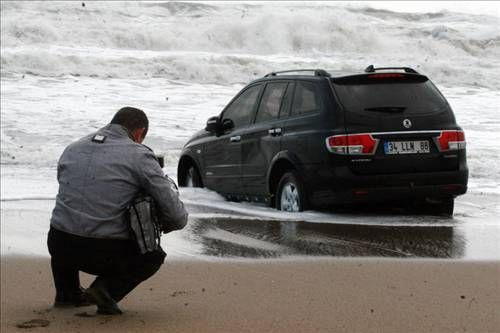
x,y
341,186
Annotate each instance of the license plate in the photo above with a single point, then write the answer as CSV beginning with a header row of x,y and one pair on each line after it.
x,y
407,147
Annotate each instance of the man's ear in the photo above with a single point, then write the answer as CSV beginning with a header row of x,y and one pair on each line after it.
x,y
139,134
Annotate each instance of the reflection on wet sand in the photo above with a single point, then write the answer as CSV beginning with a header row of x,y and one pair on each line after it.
x,y
240,237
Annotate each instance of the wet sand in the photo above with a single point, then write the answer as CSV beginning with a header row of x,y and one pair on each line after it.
x,y
299,295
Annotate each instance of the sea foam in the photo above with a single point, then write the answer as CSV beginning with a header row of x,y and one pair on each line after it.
x,y
234,43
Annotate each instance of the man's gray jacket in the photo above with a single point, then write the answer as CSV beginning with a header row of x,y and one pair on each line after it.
x,y
98,179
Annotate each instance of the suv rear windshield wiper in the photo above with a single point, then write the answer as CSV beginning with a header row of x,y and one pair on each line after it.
x,y
394,109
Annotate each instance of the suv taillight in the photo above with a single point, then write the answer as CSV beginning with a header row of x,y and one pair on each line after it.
x,y
451,140
352,144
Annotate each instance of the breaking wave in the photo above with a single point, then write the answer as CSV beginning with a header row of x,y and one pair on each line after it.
x,y
228,43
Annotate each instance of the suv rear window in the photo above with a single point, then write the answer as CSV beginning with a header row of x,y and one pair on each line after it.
x,y
408,95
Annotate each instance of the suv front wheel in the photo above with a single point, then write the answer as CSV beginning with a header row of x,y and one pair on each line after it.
x,y
193,178
290,196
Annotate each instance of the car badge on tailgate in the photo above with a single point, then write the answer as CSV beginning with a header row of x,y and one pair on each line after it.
x,y
407,123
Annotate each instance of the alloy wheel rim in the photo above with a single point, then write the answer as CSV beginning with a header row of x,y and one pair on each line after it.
x,y
290,198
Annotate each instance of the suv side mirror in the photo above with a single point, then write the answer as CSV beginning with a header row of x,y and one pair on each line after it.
x,y
213,124
227,124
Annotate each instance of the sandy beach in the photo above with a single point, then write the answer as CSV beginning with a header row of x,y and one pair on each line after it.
x,y
294,295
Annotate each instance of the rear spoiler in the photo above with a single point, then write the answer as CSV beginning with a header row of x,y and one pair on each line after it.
x,y
372,69
385,77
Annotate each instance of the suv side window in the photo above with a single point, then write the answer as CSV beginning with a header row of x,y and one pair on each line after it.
x,y
306,98
271,101
287,101
240,111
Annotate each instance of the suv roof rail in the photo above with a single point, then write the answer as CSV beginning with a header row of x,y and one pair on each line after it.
x,y
372,69
317,72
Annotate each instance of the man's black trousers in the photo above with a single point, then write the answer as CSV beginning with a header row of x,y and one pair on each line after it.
x,y
118,264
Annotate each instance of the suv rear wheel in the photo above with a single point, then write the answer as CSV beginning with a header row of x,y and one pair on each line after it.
x,y
443,207
446,207
290,196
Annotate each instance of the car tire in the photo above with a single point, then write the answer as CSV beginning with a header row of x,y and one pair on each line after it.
x,y
291,194
193,178
447,207
442,207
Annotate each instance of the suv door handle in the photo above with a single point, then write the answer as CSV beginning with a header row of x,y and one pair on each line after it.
x,y
236,138
275,131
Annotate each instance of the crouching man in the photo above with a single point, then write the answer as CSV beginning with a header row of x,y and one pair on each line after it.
x,y
99,176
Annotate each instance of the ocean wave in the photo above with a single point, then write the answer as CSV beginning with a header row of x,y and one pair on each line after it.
x,y
230,43
223,69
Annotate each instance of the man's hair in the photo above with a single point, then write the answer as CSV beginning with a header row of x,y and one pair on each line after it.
x,y
131,118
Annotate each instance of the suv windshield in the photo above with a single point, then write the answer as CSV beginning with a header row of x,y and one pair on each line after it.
x,y
389,96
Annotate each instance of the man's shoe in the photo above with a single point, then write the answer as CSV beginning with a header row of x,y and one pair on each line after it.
x,y
105,303
72,299
109,311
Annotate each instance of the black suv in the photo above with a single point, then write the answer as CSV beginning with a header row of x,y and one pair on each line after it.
x,y
296,139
